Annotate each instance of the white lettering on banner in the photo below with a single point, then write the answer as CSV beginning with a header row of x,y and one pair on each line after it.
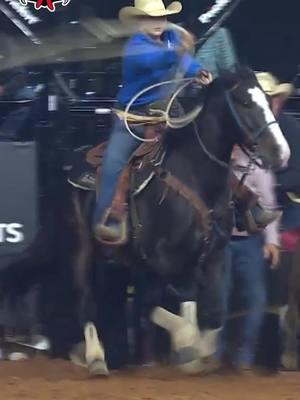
x,y
214,11
24,12
11,233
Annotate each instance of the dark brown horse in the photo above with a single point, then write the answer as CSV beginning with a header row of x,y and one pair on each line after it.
x,y
177,243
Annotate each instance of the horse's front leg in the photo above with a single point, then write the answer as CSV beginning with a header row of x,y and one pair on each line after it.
x,y
184,335
185,339
82,272
211,306
195,334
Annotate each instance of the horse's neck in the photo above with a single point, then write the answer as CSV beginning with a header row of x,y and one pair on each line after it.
x,y
212,131
215,131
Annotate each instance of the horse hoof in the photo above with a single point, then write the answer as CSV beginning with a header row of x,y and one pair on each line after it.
x,y
98,368
188,360
191,368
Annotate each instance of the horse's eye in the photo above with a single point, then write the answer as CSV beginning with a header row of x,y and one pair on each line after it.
x,y
245,102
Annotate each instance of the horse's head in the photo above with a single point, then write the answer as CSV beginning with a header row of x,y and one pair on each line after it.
x,y
250,112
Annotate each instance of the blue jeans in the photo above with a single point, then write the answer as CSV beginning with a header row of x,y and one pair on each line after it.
x,y
245,270
120,147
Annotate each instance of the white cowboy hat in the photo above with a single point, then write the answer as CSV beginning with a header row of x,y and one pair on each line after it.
x,y
272,87
151,8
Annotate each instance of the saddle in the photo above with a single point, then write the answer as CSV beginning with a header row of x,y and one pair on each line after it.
x,y
139,164
144,165
86,171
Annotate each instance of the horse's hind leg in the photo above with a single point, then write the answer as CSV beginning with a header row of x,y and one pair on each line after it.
x,y
83,264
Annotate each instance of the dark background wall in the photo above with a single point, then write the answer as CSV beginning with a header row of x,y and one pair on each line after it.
x,y
266,32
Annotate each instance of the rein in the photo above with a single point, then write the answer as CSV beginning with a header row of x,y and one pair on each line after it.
x,y
207,217
163,116
252,155
259,132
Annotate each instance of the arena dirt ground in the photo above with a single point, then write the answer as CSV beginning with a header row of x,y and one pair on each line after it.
x,y
41,379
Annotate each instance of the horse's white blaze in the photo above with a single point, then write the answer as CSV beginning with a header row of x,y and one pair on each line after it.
x,y
260,99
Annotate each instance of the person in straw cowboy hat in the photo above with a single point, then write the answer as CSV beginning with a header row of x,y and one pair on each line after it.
x,y
277,92
153,54
289,178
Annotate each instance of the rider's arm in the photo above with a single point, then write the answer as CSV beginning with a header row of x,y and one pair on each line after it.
x,y
190,66
187,63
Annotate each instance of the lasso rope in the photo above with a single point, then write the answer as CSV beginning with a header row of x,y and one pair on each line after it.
x,y
163,115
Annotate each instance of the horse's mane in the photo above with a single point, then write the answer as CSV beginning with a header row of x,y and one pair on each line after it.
x,y
229,78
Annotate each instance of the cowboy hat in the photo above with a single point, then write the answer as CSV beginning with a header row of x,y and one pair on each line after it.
x,y
272,87
151,8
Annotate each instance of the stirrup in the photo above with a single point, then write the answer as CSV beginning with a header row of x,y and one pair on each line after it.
x,y
105,234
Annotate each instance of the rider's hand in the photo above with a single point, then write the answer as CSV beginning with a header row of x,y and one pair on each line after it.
x,y
272,254
204,77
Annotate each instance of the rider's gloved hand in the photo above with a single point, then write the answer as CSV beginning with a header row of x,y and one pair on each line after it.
x,y
204,77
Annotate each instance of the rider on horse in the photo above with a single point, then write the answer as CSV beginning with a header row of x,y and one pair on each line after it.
x,y
154,54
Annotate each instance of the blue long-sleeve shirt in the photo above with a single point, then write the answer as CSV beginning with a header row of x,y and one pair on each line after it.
x,y
147,62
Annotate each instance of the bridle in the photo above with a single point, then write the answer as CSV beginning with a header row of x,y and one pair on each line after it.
x,y
259,132
253,156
